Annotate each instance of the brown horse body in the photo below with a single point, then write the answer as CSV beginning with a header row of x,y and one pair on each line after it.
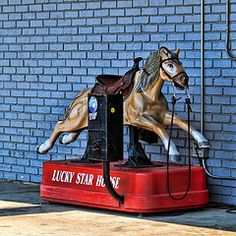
x,y
145,107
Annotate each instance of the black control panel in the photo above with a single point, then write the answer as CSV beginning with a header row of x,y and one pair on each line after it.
x,y
105,127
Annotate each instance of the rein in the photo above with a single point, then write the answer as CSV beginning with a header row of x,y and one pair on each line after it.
x,y
189,109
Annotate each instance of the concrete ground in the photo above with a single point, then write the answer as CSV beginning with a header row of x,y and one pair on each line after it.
x,y
23,213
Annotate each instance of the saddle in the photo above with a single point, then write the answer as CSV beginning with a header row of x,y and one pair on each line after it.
x,y
113,84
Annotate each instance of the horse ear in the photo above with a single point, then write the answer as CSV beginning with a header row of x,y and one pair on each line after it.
x,y
164,53
177,52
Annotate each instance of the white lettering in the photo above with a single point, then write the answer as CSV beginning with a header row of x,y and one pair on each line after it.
x,y
54,174
62,176
100,181
114,180
77,179
62,179
85,179
71,176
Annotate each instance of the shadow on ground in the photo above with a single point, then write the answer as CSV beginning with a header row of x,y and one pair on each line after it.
x,y
13,193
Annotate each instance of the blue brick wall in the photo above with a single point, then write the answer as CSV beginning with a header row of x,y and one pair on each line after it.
x,y
50,49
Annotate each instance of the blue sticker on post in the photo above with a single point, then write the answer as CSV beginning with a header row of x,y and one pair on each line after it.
x,y
93,104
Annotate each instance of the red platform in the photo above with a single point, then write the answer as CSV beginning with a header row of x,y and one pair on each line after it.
x,y
144,189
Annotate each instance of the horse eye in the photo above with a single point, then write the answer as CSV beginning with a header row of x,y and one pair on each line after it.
x,y
170,66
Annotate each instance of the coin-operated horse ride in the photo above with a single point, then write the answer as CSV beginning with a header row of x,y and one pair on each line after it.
x,y
136,184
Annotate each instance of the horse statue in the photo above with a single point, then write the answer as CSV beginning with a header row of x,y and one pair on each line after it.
x,y
145,106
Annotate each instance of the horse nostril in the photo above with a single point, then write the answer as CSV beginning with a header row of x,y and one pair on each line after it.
x,y
184,79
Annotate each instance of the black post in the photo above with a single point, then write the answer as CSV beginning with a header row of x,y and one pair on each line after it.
x,y
137,157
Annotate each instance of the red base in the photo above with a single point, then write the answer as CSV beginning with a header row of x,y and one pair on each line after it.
x,y
144,189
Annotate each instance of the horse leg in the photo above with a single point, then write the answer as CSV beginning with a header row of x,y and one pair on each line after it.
x,y
76,119
48,144
173,152
201,140
69,138
150,124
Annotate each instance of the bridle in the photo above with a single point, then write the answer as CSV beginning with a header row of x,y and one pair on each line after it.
x,y
175,58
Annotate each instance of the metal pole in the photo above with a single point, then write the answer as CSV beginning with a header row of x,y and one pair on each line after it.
x,y
227,38
202,70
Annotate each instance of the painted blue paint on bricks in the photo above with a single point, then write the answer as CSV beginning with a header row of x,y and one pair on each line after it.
x,y
49,51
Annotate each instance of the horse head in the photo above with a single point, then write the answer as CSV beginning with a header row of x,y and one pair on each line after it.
x,y
163,64
171,68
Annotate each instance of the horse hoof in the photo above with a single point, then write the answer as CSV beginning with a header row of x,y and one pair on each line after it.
x,y
37,150
175,159
204,144
65,139
61,139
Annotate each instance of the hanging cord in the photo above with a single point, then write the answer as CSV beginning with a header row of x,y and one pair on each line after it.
x,y
204,164
231,210
173,102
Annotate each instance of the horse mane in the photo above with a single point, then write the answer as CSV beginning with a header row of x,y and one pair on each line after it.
x,y
150,72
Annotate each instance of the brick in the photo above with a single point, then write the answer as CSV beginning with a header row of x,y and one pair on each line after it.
x,y
101,13
174,19
28,1
35,178
28,16
86,14
184,10
31,170
166,28
50,23
117,12
10,24
9,160
63,6
71,14
35,7
134,29
56,15
109,38
23,177
133,12
8,9
42,15
9,176
18,169
93,5
184,28
92,38
124,4
128,20
78,5
49,7
109,4
140,3
109,21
